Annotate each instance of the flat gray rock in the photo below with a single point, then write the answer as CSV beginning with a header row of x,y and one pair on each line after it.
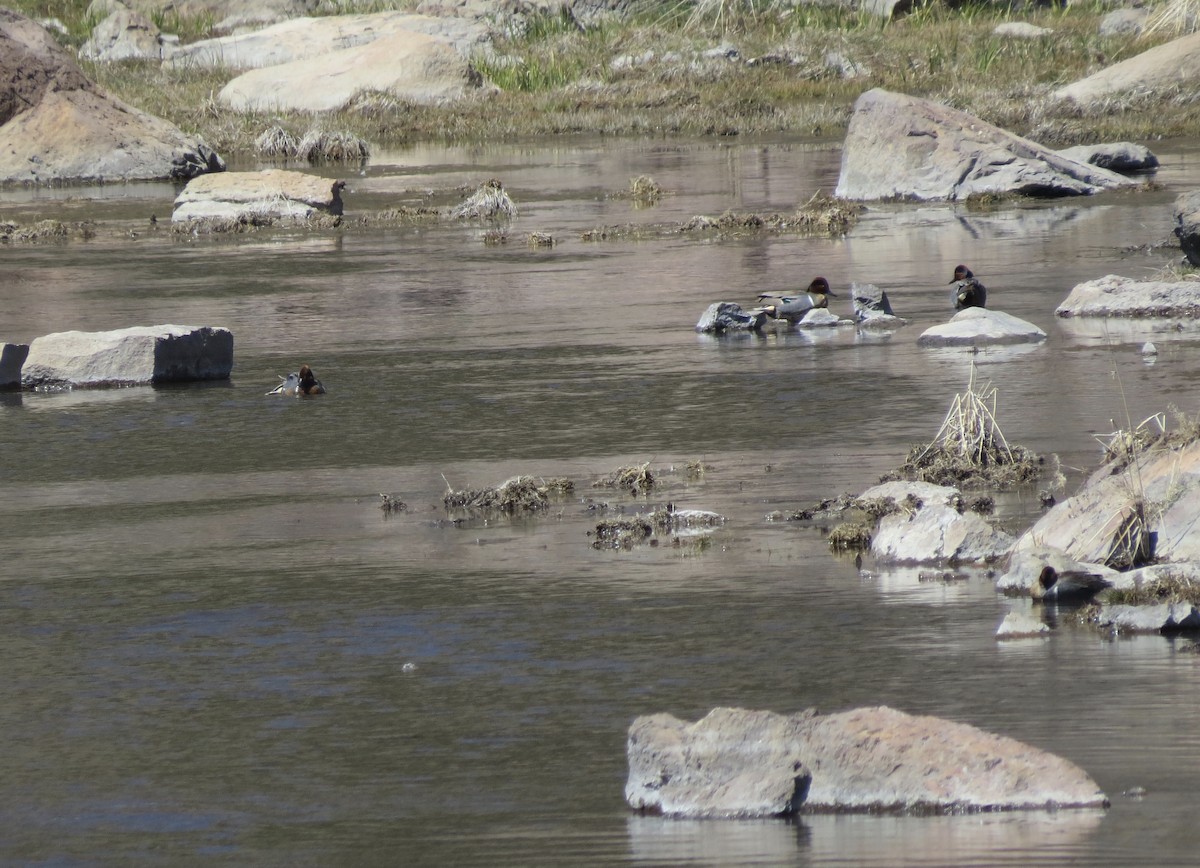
x,y
739,763
1173,65
273,193
1113,295
128,357
905,147
978,326
1021,625
12,358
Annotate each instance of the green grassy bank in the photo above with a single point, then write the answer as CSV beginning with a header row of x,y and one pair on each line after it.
x,y
557,79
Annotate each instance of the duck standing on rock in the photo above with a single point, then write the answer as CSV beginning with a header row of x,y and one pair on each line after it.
x,y
302,382
968,292
794,307
1072,586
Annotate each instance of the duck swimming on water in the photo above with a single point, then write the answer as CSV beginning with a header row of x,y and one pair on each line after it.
x,y
1071,586
794,307
968,292
301,382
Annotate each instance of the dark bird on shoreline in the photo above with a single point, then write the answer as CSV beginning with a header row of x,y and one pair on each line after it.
x,y
1071,586
968,292
794,307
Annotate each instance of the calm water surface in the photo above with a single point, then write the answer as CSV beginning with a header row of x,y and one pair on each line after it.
x,y
218,648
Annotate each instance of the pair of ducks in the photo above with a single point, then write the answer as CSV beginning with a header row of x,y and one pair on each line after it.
x,y
301,382
968,292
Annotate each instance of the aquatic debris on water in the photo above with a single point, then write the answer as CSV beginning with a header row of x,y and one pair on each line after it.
x,y
390,503
625,532
521,494
488,202
637,478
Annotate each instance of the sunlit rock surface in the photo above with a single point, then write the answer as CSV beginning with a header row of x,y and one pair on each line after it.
x,y
978,326
1162,69
128,357
740,763
269,194
905,147
1113,295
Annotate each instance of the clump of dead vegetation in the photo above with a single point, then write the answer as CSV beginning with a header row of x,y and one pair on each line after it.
x,y
516,496
1173,587
625,532
970,450
390,503
276,143
488,202
635,478
332,146
622,533
46,230
1123,446
539,239
850,536
643,190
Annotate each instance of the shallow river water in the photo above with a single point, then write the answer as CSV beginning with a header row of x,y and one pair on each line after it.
x,y
217,647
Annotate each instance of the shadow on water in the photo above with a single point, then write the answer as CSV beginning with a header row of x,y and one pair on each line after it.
x,y
217,645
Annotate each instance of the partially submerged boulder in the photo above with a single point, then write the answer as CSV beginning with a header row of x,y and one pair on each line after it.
x,y
57,127
1187,224
1123,157
928,528
1113,295
725,316
409,66
1163,69
12,358
129,357
905,147
1021,625
271,193
740,763
1143,503
1025,564
978,326
1161,598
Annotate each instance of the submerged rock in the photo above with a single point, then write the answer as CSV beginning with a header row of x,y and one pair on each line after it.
x,y
904,147
1113,295
129,357
1123,157
740,763
1021,625
978,326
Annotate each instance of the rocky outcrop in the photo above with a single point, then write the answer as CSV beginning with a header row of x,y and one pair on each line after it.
x,y
1151,503
1123,157
904,147
129,357
1025,564
409,66
12,357
1113,295
1167,68
57,127
724,316
1124,22
978,326
272,194
305,38
1021,30
124,35
1187,225
929,530
739,763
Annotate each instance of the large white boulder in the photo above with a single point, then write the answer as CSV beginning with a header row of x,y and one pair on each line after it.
x,y
928,530
127,357
409,66
905,147
978,326
272,193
